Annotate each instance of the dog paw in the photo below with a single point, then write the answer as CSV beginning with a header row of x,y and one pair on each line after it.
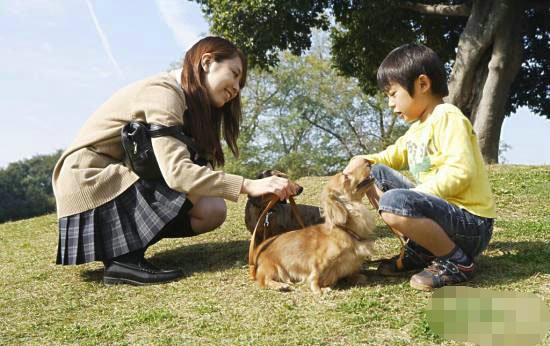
x,y
326,290
278,286
285,288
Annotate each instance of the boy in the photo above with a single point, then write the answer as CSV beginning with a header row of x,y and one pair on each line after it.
x,y
448,217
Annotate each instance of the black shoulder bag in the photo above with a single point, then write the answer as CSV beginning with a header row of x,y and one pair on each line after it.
x,y
136,141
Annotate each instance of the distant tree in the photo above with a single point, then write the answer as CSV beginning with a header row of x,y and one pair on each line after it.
x,y
498,49
303,118
26,188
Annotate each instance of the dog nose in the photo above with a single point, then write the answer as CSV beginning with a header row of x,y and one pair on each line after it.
x,y
299,190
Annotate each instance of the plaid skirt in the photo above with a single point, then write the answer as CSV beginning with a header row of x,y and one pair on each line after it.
x,y
125,224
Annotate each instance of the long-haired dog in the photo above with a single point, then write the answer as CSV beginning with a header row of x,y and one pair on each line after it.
x,y
322,254
280,218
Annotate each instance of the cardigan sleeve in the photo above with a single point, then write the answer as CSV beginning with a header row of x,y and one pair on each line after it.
x,y
162,102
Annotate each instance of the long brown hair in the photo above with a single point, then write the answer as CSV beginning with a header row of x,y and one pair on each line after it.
x,y
202,119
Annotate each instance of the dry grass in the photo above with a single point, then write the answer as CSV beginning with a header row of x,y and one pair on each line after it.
x,y
216,303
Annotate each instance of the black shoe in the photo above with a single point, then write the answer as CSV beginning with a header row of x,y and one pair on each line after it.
x,y
137,273
413,260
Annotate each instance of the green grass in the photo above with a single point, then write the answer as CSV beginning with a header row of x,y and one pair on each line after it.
x,y
216,303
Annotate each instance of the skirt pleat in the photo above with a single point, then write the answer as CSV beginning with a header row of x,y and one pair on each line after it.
x,y
62,241
125,224
72,237
88,239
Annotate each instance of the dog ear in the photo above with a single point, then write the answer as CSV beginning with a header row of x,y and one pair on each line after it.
x,y
334,207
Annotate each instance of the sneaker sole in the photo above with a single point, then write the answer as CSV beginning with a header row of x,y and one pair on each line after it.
x,y
427,288
421,287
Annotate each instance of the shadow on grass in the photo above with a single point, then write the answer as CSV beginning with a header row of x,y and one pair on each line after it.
x,y
194,258
374,279
381,232
508,262
95,275
214,256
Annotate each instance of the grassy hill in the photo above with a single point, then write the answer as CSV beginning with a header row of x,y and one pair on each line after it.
x,y
216,303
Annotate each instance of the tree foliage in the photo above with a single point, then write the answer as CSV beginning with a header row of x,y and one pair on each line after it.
x,y
305,119
365,31
26,188
532,85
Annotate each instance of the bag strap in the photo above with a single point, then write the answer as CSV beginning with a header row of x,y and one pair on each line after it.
x,y
176,131
156,130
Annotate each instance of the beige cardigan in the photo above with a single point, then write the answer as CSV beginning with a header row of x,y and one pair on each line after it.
x,y
92,172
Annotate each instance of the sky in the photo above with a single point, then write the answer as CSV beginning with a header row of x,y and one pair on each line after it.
x,y
61,59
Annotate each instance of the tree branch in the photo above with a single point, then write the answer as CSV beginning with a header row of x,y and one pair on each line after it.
x,y
338,137
326,129
462,10
355,133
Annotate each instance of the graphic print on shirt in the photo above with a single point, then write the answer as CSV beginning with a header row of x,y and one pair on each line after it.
x,y
419,160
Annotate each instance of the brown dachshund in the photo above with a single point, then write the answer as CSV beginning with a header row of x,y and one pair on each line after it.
x,y
322,254
280,218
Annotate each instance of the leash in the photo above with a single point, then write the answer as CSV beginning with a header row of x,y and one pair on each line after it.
x,y
399,263
274,199
350,232
261,219
295,211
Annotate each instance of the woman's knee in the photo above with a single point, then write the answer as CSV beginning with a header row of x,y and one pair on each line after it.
x,y
208,213
218,211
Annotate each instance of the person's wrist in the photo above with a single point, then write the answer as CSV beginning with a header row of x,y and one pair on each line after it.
x,y
245,185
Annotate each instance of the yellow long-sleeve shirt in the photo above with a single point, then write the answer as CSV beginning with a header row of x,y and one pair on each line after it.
x,y
443,155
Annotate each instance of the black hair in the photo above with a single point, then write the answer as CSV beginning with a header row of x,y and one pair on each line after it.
x,y
404,64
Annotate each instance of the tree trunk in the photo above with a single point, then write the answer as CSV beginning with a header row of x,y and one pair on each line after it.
x,y
488,59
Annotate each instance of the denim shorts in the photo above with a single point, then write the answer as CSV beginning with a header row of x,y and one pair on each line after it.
x,y
470,232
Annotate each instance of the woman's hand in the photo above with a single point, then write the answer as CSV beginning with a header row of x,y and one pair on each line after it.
x,y
282,187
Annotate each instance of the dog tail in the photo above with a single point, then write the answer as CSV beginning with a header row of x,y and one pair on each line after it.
x,y
251,256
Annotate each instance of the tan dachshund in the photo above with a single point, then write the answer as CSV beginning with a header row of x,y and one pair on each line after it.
x,y
321,254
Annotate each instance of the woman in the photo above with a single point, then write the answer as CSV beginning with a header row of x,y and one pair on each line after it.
x,y
107,213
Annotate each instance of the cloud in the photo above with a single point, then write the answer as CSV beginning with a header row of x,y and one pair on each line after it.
x,y
47,47
185,20
32,8
104,40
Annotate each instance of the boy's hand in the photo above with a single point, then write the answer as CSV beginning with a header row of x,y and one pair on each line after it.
x,y
353,164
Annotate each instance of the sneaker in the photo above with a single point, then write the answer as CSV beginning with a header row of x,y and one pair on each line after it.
x,y
442,273
413,260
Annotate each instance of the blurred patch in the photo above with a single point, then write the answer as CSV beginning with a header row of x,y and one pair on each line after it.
x,y
487,317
